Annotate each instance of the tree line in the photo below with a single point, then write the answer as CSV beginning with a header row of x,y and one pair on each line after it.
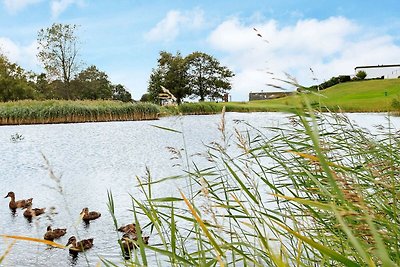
x,y
197,75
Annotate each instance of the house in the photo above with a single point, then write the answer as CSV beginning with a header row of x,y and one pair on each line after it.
x,y
380,71
267,95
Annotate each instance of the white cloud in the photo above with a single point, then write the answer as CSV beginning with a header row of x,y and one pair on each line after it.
x,y
330,47
59,6
174,22
14,6
24,55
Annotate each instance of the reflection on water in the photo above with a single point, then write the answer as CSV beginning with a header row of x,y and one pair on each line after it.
x,y
92,158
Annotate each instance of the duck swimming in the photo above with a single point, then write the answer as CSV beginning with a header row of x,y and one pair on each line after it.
x,y
23,203
131,228
79,246
88,216
52,234
129,241
29,212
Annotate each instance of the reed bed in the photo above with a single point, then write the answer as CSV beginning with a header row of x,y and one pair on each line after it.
x,y
60,111
317,191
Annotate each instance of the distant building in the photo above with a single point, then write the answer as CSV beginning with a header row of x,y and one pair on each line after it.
x,y
267,95
379,71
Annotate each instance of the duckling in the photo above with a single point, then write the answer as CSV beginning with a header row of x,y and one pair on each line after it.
x,y
88,216
29,212
23,203
52,234
129,241
79,246
131,228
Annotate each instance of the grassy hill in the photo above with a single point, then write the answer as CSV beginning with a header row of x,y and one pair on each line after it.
x,y
371,96
360,96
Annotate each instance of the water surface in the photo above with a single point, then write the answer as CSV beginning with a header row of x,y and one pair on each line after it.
x,y
92,158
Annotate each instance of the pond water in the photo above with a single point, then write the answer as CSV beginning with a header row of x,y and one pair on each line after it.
x,y
92,158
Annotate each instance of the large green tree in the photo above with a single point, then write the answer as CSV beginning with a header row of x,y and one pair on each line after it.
x,y
171,73
92,83
198,75
120,93
14,81
207,77
58,51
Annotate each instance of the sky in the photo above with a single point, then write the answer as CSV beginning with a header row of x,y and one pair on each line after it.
x,y
306,40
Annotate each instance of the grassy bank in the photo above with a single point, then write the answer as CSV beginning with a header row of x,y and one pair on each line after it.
x,y
60,111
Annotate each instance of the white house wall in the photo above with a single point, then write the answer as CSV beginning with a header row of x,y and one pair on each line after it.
x,y
387,72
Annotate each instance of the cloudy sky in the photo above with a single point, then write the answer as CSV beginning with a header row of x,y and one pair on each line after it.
x,y
310,40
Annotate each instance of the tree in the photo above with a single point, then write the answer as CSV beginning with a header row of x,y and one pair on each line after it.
x,y
206,76
120,93
361,75
92,84
14,82
146,98
171,73
58,51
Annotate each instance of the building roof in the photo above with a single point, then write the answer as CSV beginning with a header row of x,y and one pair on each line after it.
x,y
377,66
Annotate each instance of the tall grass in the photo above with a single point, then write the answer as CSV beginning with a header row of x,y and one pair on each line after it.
x,y
317,191
60,111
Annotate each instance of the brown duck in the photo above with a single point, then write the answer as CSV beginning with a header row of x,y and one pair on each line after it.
x,y
129,241
79,246
88,216
129,228
23,203
52,234
29,212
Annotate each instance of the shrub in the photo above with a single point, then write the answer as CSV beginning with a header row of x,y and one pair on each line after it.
x,y
361,75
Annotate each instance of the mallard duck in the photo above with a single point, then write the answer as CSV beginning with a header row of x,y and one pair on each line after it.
x,y
52,234
79,246
23,203
88,216
29,212
131,228
129,241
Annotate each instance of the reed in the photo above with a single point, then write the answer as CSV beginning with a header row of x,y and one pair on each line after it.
x,y
317,191
60,111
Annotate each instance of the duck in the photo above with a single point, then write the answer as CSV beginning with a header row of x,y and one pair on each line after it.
x,y
88,216
129,241
52,234
131,228
79,246
23,203
29,212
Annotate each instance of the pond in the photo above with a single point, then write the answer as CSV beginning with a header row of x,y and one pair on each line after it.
x,y
92,158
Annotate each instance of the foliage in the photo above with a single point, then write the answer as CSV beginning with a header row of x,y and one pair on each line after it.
x,y
63,111
197,75
14,84
170,73
329,83
58,51
146,98
120,93
206,76
361,75
92,84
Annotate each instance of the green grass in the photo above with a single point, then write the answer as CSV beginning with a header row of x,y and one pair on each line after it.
x,y
360,96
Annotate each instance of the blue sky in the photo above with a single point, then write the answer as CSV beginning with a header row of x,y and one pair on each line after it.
x,y
124,37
